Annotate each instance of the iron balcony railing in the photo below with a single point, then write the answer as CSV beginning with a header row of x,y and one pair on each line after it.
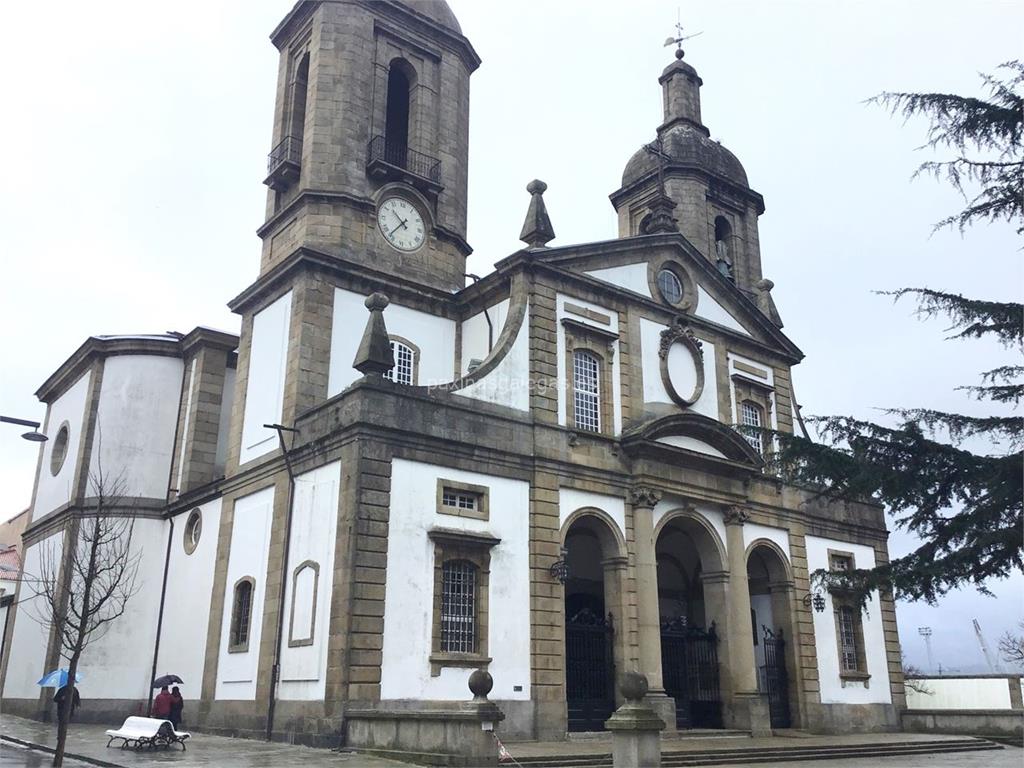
x,y
288,152
403,157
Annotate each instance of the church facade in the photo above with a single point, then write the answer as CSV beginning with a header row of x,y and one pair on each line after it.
x,y
391,479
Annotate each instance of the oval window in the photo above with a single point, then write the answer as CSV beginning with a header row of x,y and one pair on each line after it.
x,y
59,451
193,531
670,286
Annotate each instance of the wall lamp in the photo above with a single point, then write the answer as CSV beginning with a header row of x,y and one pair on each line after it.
x,y
35,436
817,600
560,568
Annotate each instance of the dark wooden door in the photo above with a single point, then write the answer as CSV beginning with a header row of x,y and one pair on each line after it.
x,y
689,669
774,679
589,670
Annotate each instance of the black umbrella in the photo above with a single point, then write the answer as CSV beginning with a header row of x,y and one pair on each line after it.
x,y
160,682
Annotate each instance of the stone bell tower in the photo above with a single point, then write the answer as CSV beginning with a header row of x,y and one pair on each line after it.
x,y
714,206
371,135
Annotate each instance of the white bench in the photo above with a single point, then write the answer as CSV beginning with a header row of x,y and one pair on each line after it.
x,y
147,732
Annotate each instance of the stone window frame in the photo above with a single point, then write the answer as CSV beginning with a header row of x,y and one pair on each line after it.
x,y
394,339
474,548
59,449
235,646
481,492
759,393
599,342
294,642
689,301
842,602
193,522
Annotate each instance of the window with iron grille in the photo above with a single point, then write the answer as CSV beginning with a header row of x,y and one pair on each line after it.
x,y
841,563
241,613
751,422
586,391
846,617
458,607
458,499
405,364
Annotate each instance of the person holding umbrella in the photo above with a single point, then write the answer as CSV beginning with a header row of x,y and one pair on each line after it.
x,y
162,704
66,698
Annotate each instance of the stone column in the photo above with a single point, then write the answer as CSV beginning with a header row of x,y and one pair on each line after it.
x,y
644,500
749,709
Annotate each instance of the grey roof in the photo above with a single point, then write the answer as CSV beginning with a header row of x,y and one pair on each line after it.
x,y
688,146
436,10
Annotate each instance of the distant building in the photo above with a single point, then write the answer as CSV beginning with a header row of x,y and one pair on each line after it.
x,y
555,473
11,530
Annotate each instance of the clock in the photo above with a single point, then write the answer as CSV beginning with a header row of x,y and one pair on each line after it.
x,y
401,223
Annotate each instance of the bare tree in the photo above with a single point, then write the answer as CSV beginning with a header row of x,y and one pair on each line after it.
x,y
83,588
912,678
1011,647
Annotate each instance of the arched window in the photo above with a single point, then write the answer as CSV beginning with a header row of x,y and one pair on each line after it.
x,y
404,371
305,584
396,125
723,247
241,615
458,607
299,88
751,423
586,370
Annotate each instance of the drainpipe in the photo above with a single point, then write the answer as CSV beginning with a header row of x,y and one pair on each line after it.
x,y
160,616
275,670
487,317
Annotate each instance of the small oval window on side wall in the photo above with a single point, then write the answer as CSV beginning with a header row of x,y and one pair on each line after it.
x,y
670,285
193,531
59,451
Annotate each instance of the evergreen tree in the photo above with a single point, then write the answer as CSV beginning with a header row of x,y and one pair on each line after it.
x,y
965,507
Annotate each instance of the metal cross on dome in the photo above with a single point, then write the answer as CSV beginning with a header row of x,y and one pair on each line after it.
x,y
678,39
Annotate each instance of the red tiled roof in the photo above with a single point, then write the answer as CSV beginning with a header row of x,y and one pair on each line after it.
x,y
9,560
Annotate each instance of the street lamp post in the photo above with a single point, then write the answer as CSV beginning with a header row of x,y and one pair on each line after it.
x,y
35,436
926,633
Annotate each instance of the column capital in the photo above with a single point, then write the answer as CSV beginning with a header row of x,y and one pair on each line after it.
x,y
735,515
644,496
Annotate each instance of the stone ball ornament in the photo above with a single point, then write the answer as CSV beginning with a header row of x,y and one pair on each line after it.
x,y
377,301
480,683
634,686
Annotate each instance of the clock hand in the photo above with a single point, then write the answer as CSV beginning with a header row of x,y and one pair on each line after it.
x,y
402,224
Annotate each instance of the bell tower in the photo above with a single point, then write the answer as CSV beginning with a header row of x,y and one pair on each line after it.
x,y
371,138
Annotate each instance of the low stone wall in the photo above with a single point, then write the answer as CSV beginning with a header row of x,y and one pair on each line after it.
x,y
450,737
993,723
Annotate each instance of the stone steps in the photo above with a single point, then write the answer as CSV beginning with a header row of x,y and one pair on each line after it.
x,y
751,755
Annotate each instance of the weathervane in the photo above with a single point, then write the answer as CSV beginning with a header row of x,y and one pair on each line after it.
x,y
678,39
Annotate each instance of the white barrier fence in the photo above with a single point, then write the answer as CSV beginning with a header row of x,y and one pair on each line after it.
x,y
964,692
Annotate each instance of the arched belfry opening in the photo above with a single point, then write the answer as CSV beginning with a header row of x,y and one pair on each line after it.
x,y
401,79
691,580
299,93
771,617
724,257
593,620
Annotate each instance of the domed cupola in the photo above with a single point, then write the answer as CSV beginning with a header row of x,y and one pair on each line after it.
x,y
715,208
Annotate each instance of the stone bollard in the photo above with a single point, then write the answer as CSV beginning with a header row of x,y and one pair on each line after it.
x,y
636,729
480,746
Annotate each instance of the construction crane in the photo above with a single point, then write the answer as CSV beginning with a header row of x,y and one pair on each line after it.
x,y
984,648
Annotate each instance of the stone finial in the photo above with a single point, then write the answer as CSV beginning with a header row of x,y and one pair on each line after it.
x,y
660,218
537,230
633,687
766,303
374,356
480,684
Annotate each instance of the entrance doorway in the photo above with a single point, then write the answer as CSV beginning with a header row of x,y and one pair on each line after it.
x,y
771,618
589,625
689,640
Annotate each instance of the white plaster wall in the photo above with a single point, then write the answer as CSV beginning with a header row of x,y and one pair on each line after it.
x,y
654,389
832,690
961,693
632,277
137,417
711,514
27,660
264,394
509,383
435,337
187,609
119,663
761,605
474,333
250,539
709,309
563,374
55,491
314,524
408,604
224,424
569,500
691,444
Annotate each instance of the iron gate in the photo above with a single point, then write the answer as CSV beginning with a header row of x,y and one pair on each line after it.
x,y
689,668
774,680
589,670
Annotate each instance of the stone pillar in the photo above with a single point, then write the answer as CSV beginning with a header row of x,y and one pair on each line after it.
x,y
1016,698
748,707
636,729
648,611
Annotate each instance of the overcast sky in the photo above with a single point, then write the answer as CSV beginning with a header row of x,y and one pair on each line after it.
x,y
136,134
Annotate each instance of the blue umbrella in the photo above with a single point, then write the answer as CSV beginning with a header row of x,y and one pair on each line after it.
x,y
57,679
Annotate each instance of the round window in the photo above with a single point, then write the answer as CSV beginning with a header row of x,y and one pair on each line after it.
x,y
59,451
670,286
193,531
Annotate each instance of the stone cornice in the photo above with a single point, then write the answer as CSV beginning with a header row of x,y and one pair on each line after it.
x,y
676,168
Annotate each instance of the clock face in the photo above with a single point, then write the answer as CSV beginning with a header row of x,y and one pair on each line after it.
x,y
401,224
